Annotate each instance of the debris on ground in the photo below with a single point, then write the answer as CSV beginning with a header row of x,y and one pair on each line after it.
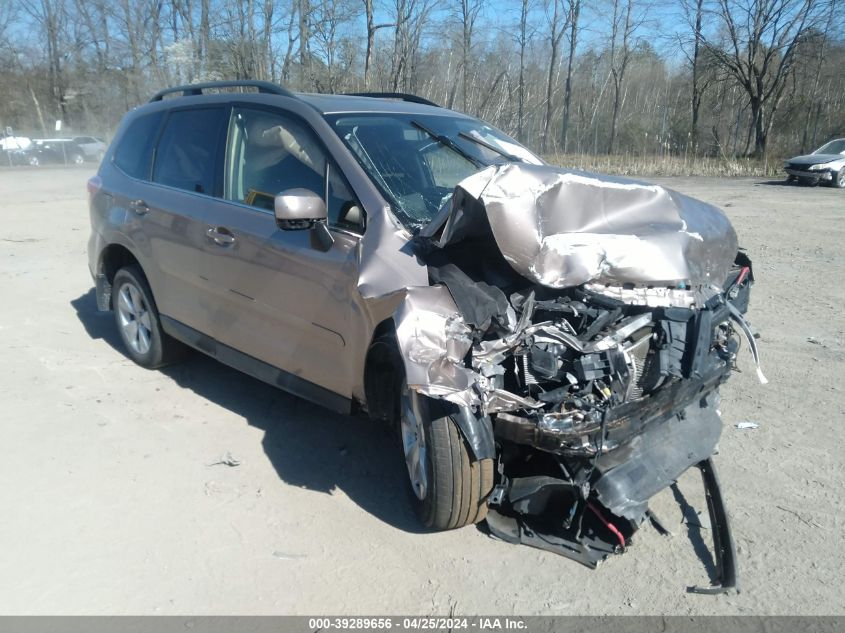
x,y
226,460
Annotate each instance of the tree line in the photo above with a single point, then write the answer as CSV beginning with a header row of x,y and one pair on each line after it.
x,y
645,77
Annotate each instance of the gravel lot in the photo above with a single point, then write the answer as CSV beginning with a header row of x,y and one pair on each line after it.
x,y
111,505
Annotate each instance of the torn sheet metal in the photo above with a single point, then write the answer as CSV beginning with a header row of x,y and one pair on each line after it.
x,y
563,228
434,339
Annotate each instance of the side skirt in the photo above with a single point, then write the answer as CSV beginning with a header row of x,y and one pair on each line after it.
x,y
256,368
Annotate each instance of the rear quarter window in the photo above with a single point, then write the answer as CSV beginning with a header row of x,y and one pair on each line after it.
x,y
134,152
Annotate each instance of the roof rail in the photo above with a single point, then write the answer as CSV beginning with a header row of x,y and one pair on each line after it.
x,y
197,89
401,96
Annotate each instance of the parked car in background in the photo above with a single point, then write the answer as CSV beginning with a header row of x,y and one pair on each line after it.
x,y
52,151
92,147
12,143
826,164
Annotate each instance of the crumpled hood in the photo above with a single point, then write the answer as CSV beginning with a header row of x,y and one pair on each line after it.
x,y
562,228
815,159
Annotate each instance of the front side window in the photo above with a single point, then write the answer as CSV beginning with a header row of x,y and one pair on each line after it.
x,y
134,151
270,152
187,151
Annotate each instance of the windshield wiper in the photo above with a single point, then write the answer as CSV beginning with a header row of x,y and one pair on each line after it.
x,y
491,147
447,142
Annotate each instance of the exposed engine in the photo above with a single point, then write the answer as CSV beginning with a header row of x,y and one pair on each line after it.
x,y
583,351
599,397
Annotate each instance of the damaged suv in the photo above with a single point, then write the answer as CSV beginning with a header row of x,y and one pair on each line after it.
x,y
549,344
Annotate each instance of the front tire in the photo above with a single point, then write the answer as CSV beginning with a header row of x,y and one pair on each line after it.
x,y
838,181
138,321
449,489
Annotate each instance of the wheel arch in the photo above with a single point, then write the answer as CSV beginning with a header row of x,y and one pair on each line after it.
x,y
383,376
113,258
382,400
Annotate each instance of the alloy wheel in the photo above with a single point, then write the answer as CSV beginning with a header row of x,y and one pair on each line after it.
x,y
134,318
413,442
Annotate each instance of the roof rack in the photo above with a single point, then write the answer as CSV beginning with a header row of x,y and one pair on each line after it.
x,y
401,96
197,89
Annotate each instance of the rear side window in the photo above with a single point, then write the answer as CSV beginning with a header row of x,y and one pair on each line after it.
x,y
134,151
186,154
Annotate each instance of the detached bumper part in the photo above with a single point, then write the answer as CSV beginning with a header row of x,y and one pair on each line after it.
x,y
589,522
723,543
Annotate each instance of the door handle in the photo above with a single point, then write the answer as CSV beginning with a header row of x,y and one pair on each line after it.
x,y
139,207
220,236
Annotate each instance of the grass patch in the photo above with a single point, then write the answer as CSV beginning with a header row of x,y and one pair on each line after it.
x,y
635,165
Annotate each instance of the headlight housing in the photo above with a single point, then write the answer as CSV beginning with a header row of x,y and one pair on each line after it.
x,y
817,167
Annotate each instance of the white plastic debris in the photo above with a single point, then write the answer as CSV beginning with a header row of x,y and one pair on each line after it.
x,y
227,460
747,425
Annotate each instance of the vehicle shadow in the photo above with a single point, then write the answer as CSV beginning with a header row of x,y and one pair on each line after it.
x,y
695,533
309,446
783,182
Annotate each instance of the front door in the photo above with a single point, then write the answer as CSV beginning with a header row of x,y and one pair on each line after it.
x,y
281,296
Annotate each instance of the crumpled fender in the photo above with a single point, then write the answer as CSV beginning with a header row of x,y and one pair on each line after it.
x,y
434,340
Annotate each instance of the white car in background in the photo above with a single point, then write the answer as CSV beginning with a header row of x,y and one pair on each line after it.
x,y
15,142
92,147
826,164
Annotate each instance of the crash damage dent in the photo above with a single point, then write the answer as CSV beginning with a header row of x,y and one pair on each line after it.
x,y
387,262
586,324
562,228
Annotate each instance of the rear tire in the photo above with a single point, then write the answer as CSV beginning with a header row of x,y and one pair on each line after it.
x,y
138,323
449,490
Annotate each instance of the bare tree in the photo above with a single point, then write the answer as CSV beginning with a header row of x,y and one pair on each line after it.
x,y
304,12
88,61
467,15
763,38
331,17
623,28
410,18
372,29
557,28
50,15
574,13
523,39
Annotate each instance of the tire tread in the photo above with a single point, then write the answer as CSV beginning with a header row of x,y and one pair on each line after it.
x,y
459,486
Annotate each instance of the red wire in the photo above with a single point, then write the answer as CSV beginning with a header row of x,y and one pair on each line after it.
x,y
608,524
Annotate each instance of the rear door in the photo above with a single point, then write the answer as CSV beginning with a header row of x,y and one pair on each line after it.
x,y
281,297
168,214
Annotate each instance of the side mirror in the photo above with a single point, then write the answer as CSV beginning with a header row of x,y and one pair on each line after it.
x,y
297,209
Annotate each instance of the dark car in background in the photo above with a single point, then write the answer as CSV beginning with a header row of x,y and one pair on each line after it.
x,y
826,164
53,152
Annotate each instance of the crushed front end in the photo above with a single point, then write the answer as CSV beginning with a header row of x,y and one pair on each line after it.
x,y
589,344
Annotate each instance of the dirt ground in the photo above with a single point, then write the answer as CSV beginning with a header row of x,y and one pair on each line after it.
x,y
111,502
